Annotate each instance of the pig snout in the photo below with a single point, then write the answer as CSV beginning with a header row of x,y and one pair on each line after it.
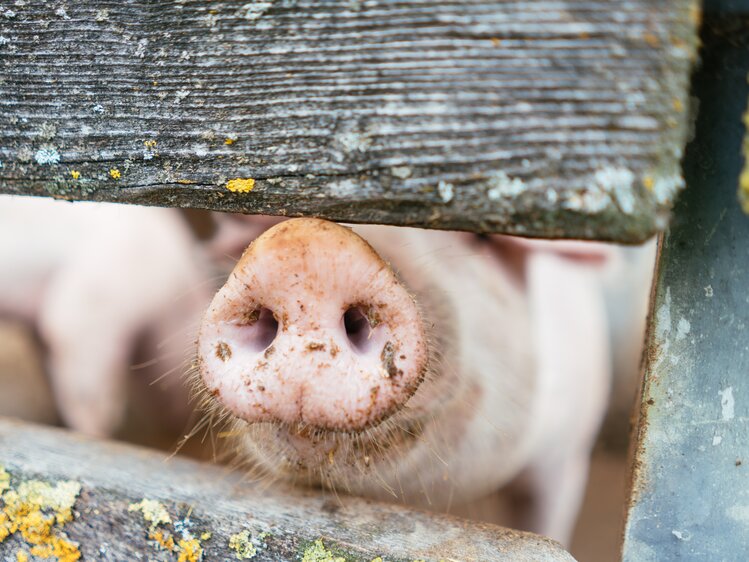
x,y
312,327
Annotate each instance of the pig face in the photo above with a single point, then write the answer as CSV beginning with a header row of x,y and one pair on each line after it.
x,y
428,367
382,380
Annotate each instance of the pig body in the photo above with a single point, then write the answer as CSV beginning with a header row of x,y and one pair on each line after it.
x,y
92,279
514,389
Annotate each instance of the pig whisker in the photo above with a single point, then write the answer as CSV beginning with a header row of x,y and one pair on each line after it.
x,y
330,484
250,473
145,364
387,487
181,443
163,357
420,437
396,470
450,497
191,326
199,285
393,465
439,250
169,372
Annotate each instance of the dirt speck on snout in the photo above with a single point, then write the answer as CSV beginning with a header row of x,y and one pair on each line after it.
x,y
223,351
388,360
250,317
316,346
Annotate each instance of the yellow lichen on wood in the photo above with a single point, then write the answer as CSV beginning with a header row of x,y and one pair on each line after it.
x,y
163,539
189,550
651,39
318,553
695,13
242,546
37,510
241,185
75,173
153,511
744,185
115,173
743,193
4,479
21,556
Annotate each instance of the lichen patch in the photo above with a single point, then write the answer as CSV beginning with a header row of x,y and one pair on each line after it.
x,y
501,186
241,185
744,177
4,480
46,156
446,191
242,546
153,511
37,511
188,548
317,552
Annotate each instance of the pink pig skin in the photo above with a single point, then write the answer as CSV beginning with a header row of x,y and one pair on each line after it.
x,y
513,389
93,278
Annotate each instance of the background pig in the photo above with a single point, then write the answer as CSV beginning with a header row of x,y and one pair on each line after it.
x,y
97,281
499,376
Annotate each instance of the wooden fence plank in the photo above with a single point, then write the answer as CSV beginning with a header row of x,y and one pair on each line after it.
x,y
190,507
560,118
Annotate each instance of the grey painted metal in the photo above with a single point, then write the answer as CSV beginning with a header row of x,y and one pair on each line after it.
x,y
200,498
726,6
690,486
563,118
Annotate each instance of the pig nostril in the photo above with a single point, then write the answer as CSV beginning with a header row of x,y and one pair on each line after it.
x,y
264,328
267,328
358,328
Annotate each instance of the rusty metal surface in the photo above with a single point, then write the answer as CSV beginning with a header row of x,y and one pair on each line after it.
x,y
690,481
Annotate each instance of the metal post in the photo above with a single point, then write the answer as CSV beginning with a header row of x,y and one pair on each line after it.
x,y
690,473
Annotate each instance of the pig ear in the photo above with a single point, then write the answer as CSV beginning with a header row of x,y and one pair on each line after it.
x,y
515,254
595,254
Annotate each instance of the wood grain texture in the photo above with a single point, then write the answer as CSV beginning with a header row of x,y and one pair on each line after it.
x,y
554,118
207,499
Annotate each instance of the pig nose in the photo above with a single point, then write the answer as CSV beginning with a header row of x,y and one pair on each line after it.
x,y
312,327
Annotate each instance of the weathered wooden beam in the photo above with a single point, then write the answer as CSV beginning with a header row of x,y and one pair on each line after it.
x,y
545,118
211,511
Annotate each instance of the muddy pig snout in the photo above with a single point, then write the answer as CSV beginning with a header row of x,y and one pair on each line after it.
x,y
312,327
